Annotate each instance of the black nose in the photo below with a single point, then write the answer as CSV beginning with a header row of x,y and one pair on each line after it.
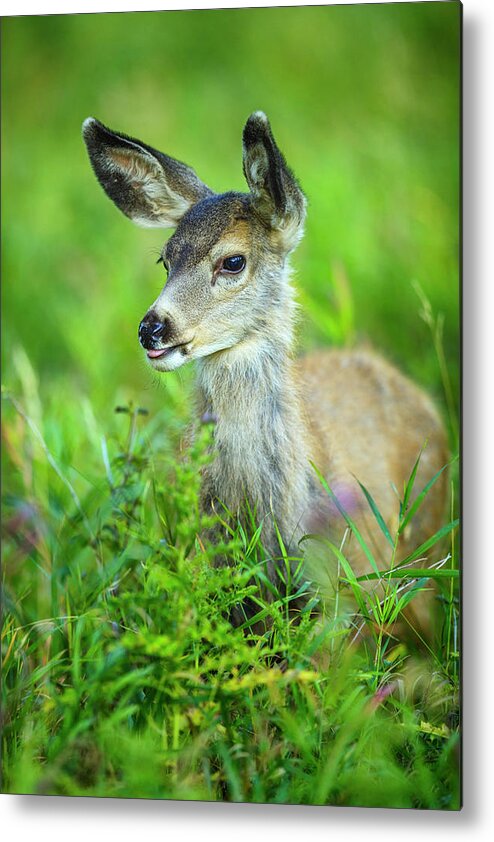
x,y
151,331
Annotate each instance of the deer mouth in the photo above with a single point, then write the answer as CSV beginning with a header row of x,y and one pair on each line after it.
x,y
154,354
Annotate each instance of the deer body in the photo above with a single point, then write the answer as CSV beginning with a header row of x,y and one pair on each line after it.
x,y
305,412
229,304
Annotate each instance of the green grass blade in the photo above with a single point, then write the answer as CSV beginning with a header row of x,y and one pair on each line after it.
x,y
411,573
406,598
421,497
377,514
441,533
347,518
410,483
350,577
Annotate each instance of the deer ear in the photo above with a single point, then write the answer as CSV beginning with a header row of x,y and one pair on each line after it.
x,y
150,188
277,197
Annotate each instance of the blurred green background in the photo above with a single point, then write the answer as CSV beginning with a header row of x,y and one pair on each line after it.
x,y
364,102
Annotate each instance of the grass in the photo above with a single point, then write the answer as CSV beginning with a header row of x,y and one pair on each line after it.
x,y
123,675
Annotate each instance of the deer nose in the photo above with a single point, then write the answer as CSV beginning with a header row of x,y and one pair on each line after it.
x,y
151,331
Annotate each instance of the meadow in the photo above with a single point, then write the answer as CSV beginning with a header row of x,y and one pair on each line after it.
x,y
122,675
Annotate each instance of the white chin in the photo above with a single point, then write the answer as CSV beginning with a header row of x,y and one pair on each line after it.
x,y
169,362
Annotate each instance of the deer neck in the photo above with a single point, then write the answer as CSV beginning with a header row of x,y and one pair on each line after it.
x,y
261,441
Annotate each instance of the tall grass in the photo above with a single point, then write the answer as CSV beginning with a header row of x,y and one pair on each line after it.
x,y
123,675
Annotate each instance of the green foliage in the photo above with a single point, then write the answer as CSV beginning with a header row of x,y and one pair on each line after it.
x,y
123,675
396,584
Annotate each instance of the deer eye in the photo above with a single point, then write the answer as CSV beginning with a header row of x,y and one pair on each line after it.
x,y
233,265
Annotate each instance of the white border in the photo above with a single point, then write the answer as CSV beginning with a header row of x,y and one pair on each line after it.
x,y
49,818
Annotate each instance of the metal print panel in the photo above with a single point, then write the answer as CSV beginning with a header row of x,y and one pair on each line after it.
x,y
230,405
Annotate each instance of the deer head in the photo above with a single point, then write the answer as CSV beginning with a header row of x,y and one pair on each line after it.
x,y
226,261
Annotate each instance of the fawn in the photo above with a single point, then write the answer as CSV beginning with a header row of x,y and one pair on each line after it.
x,y
228,303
